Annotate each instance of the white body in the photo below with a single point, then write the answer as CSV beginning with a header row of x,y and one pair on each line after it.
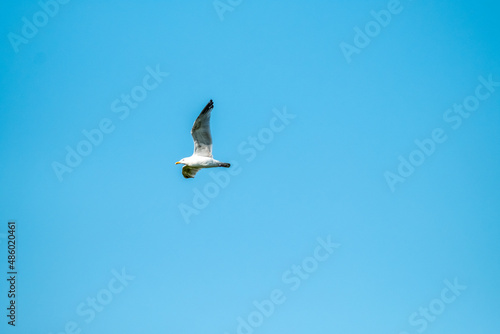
x,y
197,161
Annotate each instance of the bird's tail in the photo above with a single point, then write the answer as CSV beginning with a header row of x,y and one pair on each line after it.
x,y
224,164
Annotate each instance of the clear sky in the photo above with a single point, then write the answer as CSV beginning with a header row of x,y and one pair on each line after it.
x,y
363,195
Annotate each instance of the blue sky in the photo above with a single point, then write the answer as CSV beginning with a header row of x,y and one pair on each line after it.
x,y
364,190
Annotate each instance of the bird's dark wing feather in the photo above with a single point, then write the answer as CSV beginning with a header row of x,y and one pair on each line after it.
x,y
189,172
201,132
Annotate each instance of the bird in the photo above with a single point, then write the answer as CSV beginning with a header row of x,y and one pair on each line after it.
x,y
202,155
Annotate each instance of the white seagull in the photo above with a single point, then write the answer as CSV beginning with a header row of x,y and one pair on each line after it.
x,y
202,156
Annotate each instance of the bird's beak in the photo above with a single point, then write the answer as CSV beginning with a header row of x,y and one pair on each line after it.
x,y
178,162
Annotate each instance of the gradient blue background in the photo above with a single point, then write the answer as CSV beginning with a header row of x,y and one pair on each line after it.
x,y
322,175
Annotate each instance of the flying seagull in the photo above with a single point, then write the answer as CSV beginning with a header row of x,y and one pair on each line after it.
x,y
202,155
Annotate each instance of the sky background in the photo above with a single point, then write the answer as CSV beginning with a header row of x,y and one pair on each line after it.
x,y
321,176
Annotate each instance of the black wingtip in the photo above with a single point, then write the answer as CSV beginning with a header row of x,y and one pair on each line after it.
x,y
208,107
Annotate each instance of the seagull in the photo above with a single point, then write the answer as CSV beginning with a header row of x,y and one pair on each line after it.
x,y
202,155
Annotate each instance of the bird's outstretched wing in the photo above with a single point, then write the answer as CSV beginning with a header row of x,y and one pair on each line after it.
x,y
201,132
189,172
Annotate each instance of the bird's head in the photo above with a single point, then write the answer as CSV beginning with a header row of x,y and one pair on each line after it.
x,y
182,161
